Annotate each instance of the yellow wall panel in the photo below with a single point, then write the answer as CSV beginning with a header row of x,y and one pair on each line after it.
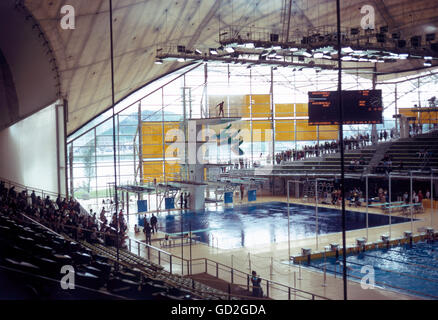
x,y
152,139
245,111
152,151
284,130
407,112
151,127
305,132
301,109
284,110
171,125
261,106
172,170
152,147
260,131
152,169
329,132
429,117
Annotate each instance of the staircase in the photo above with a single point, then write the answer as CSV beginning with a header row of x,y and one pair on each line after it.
x,y
411,152
380,152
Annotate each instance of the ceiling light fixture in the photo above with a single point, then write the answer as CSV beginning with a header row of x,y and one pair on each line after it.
x,y
307,53
347,50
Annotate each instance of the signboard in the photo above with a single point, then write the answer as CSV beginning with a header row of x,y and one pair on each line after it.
x,y
252,195
169,203
228,197
358,106
142,206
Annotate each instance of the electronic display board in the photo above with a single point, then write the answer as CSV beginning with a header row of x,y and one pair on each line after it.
x,y
358,106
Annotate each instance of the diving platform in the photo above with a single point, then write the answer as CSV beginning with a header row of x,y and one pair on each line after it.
x,y
215,120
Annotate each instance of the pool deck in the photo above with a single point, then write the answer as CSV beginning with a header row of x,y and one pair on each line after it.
x,y
312,281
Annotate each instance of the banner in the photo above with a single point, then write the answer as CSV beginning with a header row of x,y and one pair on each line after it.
x,y
142,206
228,197
169,203
252,195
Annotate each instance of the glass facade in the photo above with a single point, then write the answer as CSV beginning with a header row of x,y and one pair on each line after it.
x,y
270,103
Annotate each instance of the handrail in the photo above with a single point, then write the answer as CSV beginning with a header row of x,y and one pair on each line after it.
x,y
160,251
267,280
26,188
189,263
152,247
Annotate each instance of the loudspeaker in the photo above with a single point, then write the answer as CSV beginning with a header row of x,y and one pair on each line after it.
x,y
416,41
384,29
430,36
401,43
381,37
274,37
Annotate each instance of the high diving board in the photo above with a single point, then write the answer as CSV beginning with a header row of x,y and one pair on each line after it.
x,y
186,183
219,165
215,120
137,189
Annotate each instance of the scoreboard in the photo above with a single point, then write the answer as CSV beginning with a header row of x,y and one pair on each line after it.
x,y
358,107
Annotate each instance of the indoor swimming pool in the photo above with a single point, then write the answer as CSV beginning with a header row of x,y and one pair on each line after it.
x,y
411,270
264,223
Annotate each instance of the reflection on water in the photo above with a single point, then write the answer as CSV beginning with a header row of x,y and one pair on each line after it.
x,y
413,270
259,224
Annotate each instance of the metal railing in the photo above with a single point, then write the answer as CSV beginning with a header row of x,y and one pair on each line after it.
x,y
175,265
184,267
19,187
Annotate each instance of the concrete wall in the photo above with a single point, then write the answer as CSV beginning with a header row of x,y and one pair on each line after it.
x,y
29,152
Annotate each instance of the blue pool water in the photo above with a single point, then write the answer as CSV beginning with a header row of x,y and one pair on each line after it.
x,y
265,223
411,270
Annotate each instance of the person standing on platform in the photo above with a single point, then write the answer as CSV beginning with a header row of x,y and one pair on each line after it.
x,y
147,231
154,223
221,108
186,200
242,190
256,287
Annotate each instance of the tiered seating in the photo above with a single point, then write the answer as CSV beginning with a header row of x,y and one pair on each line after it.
x,y
31,257
155,271
330,164
417,153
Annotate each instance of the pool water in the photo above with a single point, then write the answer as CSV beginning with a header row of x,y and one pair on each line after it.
x,y
264,223
411,270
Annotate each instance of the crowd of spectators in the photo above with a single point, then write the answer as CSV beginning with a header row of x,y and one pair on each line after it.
x,y
350,143
63,216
